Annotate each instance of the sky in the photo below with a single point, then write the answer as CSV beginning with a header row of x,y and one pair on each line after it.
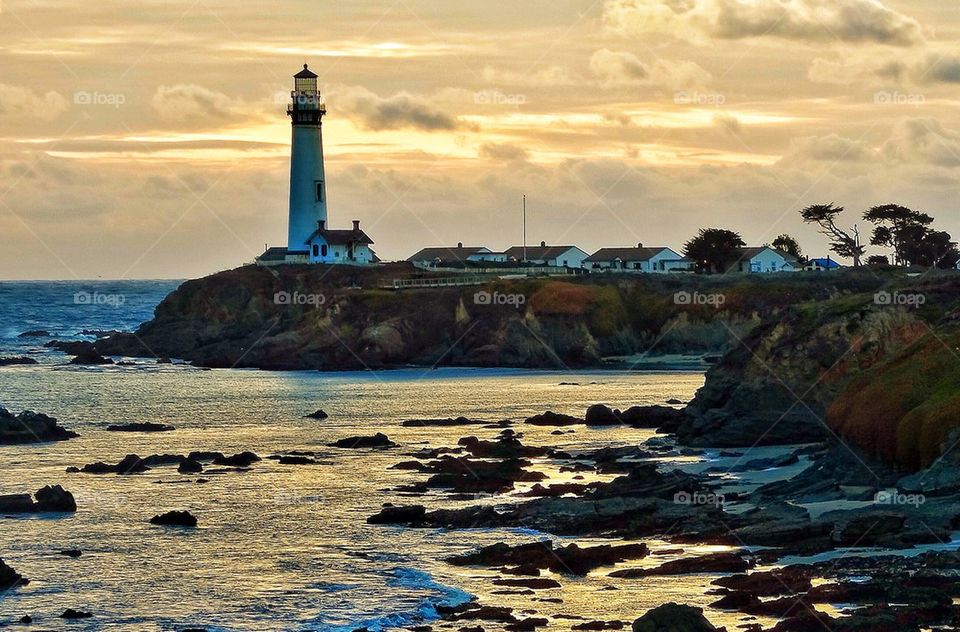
x,y
149,138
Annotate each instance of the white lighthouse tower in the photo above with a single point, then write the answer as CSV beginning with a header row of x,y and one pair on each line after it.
x,y
308,194
309,237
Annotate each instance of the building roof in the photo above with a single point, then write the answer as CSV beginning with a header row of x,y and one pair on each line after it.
x,y
825,262
752,251
341,237
538,252
453,254
627,254
306,73
276,253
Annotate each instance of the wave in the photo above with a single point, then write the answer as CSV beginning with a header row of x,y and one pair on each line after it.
x,y
425,611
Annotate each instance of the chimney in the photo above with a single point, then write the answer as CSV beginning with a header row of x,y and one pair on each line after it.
x,y
321,224
543,244
459,244
356,225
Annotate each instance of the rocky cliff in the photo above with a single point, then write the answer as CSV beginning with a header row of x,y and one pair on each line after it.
x,y
879,371
316,317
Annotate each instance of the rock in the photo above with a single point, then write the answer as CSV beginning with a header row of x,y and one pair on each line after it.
x,y
189,466
164,360
533,584
317,414
443,423
17,503
10,578
507,446
70,613
35,333
243,459
130,464
391,514
712,563
551,418
55,499
569,560
74,553
90,359
141,427
636,416
674,401
199,455
175,519
378,440
49,500
10,361
30,427
673,617
26,619
601,415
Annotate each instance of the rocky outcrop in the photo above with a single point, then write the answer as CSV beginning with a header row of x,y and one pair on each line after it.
x,y
232,319
146,426
30,427
878,375
673,617
10,578
19,360
175,519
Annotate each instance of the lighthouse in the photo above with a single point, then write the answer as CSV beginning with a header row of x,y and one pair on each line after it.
x,y
309,237
308,193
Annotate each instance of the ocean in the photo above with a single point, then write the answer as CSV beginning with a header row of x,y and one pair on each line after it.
x,y
279,547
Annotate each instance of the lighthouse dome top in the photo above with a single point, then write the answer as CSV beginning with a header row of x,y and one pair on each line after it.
x,y
306,73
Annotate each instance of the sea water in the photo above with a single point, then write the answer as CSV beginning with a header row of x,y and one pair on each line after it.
x,y
278,547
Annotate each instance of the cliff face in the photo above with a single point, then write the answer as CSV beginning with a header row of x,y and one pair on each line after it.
x,y
316,317
884,378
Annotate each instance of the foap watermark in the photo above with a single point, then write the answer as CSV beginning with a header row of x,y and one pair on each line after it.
x,y
299,299
899,98
498,298
110,99
696,298
496,97
895,497
699,498
99,298
713,99
902,299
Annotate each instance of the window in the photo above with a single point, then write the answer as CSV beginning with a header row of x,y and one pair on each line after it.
x,y
323,250
319,187
316,250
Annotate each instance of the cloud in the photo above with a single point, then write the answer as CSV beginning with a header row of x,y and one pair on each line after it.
x,y
850,21
402,110
831,148
183,103
550,77
925,141
503,152
924,69
625,69
20,102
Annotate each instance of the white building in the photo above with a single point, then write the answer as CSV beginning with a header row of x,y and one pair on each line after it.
x,y
544,255
453,256
309,240
765,259
656,259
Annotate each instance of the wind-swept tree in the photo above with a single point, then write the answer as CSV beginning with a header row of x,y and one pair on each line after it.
x,y
844,243
899,228
933,249
714,249
789,245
